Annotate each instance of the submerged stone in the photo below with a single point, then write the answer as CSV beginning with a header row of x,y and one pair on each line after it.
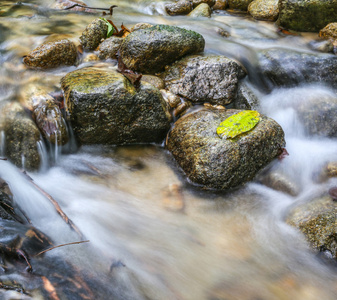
x,y
105,108
150,50
317,220
216,163
52,55
211,78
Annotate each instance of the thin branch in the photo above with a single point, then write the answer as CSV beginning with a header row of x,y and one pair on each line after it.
x,y
110,9
51,248
57,206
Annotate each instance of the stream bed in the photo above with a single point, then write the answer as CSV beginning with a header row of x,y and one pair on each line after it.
x,y
153,234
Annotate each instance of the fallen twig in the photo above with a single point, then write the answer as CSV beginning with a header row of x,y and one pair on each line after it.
x,y
110,9
56,205
51,248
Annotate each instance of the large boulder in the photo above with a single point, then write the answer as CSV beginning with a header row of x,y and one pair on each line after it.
x,y
150,50
239,4
22,137
217,163
211,78
317,220
284,67
51,55
105,108
264,9
307,15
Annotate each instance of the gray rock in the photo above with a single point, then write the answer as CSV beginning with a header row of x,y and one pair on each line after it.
x,y
181,7
93,34
105,108
150,50
317,220
211,78
140,26
245,98
239,4
21,137
319,115
307,15
202,10
52,55
217,163
109,47
264,9
284,67
322,46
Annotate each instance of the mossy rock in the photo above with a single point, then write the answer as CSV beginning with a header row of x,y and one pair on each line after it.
x,y
105,108
150,50
307,15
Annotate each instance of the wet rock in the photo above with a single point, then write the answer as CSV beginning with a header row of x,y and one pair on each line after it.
x,y
140,26
21,137
264,9
245,98
316,219
307,15
46,113
202,10
196,3
149,50
93,34
220,5
182,108
322,46
105,108
217,163
329,31
62,4
109,47
211,78
319,115
328,171
172,99
181,7
280,182
154,80
289,68
52,55
90,57
239,4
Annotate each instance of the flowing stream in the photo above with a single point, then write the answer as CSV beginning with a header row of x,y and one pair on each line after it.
x,y
166,238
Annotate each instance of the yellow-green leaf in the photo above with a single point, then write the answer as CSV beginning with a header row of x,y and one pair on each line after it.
x,y
238,123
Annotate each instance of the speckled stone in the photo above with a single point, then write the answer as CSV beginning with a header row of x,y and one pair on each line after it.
x,y
150,50
93,34
109,47
140,26
245,98
307,15
52,55
264,10
217,163
154,80
105,108
181,7
196,3
317,220
211,78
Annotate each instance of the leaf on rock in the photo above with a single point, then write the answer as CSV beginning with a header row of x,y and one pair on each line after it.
x,y
238,123
111,29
